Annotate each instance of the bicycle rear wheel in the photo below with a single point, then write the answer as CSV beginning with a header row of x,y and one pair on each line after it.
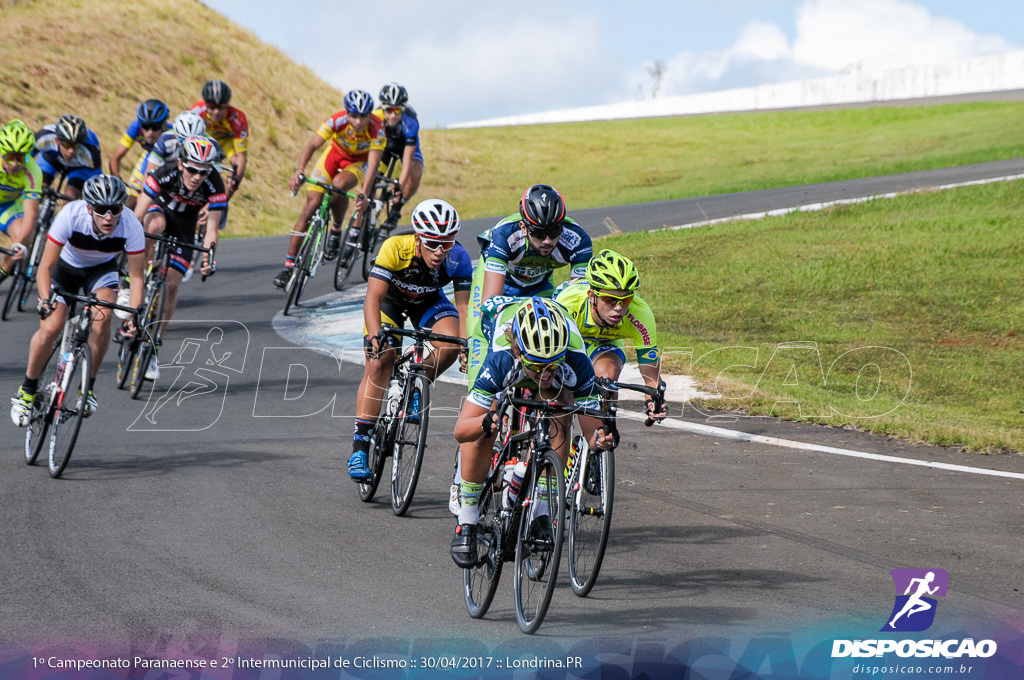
x,y
374,238
539,539
380,444
42,414
591,495
300,275
139,366
125,359
348,256
480,582
69,410
410,444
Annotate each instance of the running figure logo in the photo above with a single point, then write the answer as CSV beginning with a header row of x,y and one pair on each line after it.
x,y
915,605
191,392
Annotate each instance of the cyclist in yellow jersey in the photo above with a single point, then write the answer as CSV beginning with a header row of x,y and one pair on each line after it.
x,y
402,129
608,312
150,122
21,181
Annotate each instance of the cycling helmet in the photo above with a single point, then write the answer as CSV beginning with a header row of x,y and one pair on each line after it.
x,y
102,190
71,129
435,218
541,207
17,138
610,271
393,94
199,150
189,124
358,102
216,93
152,112
541,331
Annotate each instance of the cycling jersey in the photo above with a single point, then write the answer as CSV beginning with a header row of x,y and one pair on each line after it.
x,y
401,136
349,144
84,164
181,206
505,249
27,183
83,247
408,276
637,324
501,370
133,135
232,133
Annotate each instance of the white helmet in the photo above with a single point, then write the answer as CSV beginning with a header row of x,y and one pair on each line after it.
x,y
189,124
435,218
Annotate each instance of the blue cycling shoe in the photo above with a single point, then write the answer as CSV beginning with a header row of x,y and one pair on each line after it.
x,y
358,469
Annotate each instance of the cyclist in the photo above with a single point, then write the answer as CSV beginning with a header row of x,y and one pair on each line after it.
x,y
533,345
406,282
70,149
81,253
170,203
186,124
402,129
608,311
356,143
150,122
20,185
229,127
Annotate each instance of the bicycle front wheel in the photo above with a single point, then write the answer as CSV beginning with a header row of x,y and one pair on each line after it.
x,y
373,240
17,290
300,275
42,413
69,409
410,443
125,359
379,445
539,539
591,494
480,582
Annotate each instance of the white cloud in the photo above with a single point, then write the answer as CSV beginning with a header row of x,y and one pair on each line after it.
x,y
831,35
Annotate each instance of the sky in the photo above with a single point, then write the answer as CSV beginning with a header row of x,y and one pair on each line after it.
x,y
466,60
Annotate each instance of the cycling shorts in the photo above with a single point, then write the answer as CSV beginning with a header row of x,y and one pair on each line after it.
x,y
88,279
331,163
422,314
594,348
179,227
10,212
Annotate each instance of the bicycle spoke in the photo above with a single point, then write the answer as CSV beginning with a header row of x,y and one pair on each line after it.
x,y
70,409
410,444
591,494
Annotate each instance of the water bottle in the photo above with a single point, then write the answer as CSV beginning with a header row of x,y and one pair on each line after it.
x,y
393,398
513,482
64,358
123,297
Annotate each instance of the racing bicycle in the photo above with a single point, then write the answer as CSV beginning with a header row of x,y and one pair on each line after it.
x,y
23,277
401,429
372,229
314,245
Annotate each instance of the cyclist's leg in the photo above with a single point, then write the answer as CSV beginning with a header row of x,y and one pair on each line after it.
x,y
177,267
475,452
102,281
376,375
349,176
12,223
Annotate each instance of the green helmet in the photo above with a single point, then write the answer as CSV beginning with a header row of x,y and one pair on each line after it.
x,y
610,271
17,138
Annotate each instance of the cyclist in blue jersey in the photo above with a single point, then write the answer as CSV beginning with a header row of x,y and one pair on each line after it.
x,y
402,129
532,345
71,149
150,122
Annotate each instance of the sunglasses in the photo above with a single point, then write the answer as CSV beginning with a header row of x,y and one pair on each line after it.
x,y
434,246
547,232
15,157
214,107
614,300
152,127
202,172
107,210
541,367
393,109
67,145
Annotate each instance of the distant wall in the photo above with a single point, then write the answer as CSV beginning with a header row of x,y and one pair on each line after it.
x,y
984,74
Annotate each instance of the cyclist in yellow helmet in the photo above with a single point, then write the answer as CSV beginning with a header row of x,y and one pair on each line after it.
x,y
21,182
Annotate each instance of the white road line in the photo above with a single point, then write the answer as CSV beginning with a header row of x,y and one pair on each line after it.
x,y
812,207
712,431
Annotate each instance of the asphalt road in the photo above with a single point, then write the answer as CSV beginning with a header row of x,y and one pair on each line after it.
x,y
226,520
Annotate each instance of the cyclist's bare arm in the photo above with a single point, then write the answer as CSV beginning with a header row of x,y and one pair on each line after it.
x,y
314,143
115,160
145,200
376,289
45,272
494,284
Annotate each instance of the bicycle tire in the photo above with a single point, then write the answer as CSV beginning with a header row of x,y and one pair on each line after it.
x,y
69,409
42,414
149,334
372,246
139,366
38,246
480,581
410,444
16,292
125,358
536,564
346,258
378,448
590,517
302,259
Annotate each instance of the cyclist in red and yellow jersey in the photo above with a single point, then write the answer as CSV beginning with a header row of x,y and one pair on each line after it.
x,y
357,142
228,126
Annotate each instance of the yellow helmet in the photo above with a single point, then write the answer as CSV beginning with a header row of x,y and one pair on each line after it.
x,y
541,331
17,138
610,271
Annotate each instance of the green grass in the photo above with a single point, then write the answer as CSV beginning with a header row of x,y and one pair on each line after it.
x,y
917,296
